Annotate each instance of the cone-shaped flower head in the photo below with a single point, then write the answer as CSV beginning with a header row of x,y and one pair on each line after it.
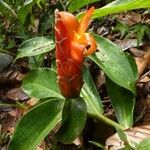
x,y
72,45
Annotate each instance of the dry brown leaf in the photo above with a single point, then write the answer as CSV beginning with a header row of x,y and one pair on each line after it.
x,y
143,63
32,101
127,43
4,148
134,135
42,146
39,148
16,94
136,52
129,18
10,78
146,120
100,79
145,78
13,113
78,141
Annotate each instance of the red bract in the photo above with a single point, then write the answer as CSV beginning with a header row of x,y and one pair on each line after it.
x,y
72,44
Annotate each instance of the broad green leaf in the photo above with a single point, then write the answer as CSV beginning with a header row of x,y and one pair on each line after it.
x,y
73,121
117,65
24,10
144,145
41,83
123,102
76,4
35,46
36,124
90,95
119,6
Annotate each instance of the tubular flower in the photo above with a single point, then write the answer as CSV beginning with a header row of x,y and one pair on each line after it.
x,y
72,45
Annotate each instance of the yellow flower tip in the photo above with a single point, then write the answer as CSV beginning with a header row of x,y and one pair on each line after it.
x,y
91,43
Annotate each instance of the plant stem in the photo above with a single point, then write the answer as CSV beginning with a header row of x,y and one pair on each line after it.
x,y
7,105
109,121
6,52
19,105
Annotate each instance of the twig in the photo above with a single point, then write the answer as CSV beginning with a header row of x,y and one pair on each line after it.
x,y
145,62
147,73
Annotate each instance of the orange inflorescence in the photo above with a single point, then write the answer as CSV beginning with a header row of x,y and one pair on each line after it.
x,y
72,45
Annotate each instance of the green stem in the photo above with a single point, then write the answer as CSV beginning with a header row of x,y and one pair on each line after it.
x,y
109,121
19,105
6,52
7,105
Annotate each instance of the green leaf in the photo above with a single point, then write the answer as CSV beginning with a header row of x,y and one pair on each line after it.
x,y
90,95
24,10
119,6
117,65
97,144
121,28
144,145
36,124
6,9
124,139
36,61
46,21
35,46
122,136
77,4
73,121
41,83
123,102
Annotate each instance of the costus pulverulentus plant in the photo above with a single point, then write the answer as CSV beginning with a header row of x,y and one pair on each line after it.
x,y
67,94
73,43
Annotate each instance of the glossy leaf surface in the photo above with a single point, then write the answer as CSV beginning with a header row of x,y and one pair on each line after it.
x,y
36,124
24,11
144,145
120,67
123,102
35,46
76,4
91,95
117,65
119,6
73,121
41,83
